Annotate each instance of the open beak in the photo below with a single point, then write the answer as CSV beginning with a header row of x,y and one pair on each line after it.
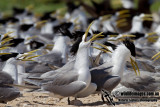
x,y
94,36
147,17
4,40
28,56
121,22
6,34
134,65
156,56
106,50
2,48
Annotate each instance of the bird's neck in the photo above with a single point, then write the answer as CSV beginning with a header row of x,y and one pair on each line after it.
x,y
136,26
47,29
60,46
119,59
21,70
11,69
82,59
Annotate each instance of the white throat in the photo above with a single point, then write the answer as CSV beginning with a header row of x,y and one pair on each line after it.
x,y
60,46
136,25
11,68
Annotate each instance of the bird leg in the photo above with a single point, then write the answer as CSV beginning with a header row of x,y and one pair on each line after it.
x,y
75,98
102,97
107,95
69,102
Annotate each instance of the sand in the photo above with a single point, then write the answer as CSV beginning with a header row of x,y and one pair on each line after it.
x,y
35,99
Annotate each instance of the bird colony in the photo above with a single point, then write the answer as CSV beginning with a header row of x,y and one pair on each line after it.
x,y
89,50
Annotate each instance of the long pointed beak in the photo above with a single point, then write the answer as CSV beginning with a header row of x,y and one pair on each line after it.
x,y
151,33
4,53
124,36
121,23
147,15
152,39
147,19
134,65
28,56
33,51
104,46
32,37
40,24
123,12
6,34
113,35
156,56
106,17
4,48
86,33
49,46
106,50
124,16
95,37
6,40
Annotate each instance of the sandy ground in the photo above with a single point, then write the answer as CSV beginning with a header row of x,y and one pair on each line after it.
x,y
35,99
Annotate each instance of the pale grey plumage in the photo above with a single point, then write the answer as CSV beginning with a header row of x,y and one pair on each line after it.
x,y
102,76
7,93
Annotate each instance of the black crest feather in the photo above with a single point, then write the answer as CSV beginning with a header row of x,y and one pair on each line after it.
x,y
130,45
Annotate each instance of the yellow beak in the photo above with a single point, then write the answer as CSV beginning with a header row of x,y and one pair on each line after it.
x,y
106,50
134,65
156,56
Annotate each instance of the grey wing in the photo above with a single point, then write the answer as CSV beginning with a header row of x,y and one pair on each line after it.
x,y
111,82
40,68
8,94
145,82
53,58
99,75
67,67
65,90
5,78
62,78
57,76
64,84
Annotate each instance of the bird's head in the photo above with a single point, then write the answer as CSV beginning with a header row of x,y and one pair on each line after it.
x,y
131,47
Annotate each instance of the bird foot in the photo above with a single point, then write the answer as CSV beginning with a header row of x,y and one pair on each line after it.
x,y
76,103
